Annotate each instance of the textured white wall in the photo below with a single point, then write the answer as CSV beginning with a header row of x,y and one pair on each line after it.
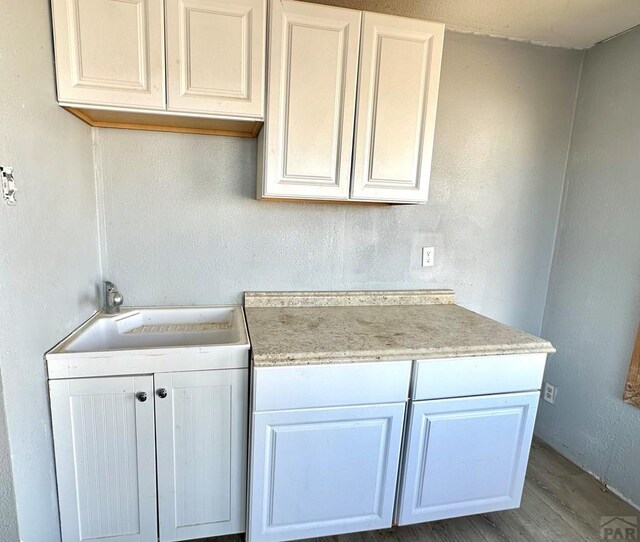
x,y
593,307
49,262
8,518
182,224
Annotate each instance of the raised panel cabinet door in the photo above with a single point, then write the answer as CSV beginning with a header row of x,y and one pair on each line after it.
x,y
396,112
466,456
110,52
105,458
201,424
313,62
321,472
216,56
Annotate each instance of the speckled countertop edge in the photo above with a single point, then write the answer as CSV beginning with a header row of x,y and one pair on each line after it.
x,y
348,299
320,358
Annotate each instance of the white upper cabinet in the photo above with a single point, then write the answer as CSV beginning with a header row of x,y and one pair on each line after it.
x,y
110,53
397,98
171,65
313,63
215,56
313,80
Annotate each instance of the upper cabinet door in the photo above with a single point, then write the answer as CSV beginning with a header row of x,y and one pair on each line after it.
x,y
110,52
397,95
215,56
313,59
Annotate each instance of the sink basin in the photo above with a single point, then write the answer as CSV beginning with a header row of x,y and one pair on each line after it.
x,y
161,328
154,339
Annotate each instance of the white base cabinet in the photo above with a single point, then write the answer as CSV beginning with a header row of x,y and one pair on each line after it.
x,y
108,432
326,442
325,449
330,468
466,456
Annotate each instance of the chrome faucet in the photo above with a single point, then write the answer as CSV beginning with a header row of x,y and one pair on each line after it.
x,y
112,298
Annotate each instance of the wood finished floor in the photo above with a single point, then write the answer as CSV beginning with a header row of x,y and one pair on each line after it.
x,y
561,503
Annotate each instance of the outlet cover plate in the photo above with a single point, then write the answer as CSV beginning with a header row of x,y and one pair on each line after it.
x,y
549,393
427,256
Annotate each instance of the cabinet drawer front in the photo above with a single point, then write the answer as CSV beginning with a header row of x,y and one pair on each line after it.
x,y
105,458
480,375
466,456
110,53
321,472
215,56
310,386
313,63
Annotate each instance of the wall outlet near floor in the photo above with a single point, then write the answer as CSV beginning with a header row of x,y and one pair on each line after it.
x,y
549,393
427,256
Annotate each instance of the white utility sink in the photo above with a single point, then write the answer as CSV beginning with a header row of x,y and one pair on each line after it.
x,y
161,327
172,337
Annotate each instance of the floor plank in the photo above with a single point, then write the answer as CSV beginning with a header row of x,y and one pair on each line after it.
x,y
561,502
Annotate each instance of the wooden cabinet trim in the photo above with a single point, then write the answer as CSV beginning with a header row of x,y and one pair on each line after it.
x,y
632,389
160,122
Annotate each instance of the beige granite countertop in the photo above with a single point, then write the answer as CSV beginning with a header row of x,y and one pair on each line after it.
x,y
304,328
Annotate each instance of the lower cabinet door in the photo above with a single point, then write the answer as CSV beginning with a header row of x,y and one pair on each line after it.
x,y
201,428
466,456
105,458
323,471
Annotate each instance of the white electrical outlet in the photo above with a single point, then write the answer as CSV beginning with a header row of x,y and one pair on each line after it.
x,y
550,393
427,256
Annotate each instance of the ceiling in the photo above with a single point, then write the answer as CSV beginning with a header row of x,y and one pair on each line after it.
x,y
575,24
